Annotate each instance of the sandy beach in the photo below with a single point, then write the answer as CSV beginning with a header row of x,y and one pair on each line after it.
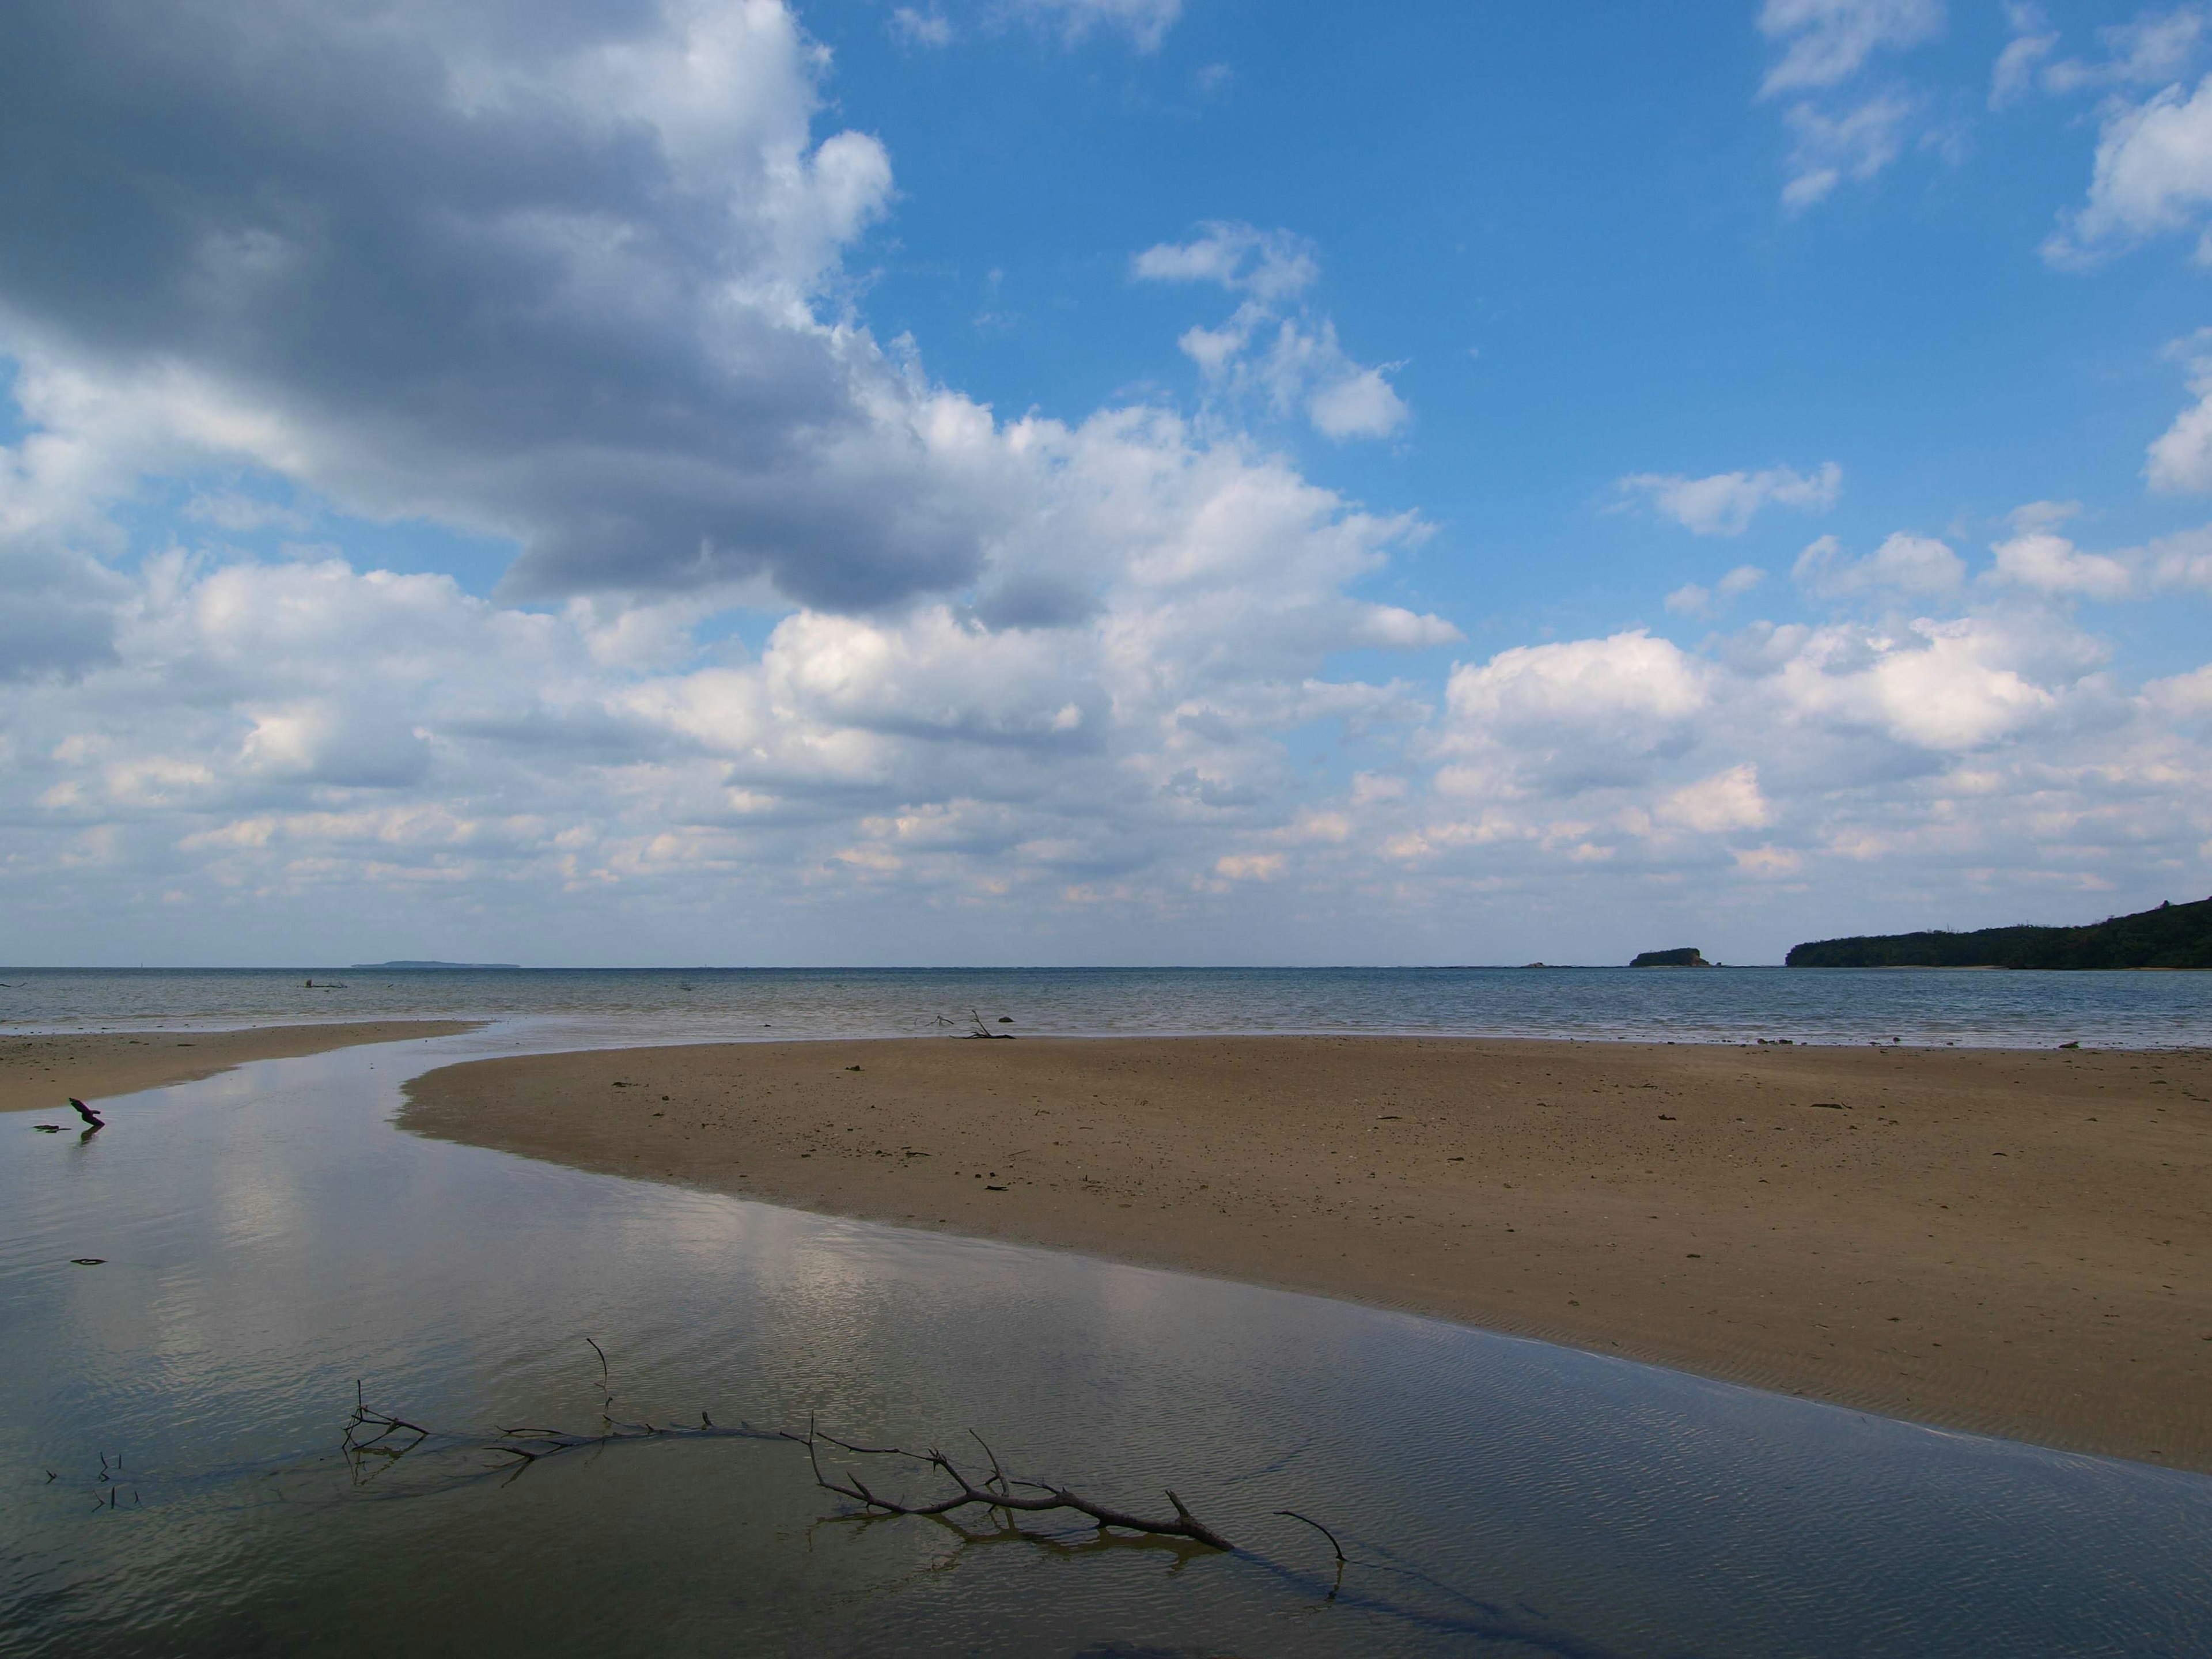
x,y
2008,1242
38,1073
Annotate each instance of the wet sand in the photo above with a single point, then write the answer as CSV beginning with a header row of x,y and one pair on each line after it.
x,y
2007,1242
38,1073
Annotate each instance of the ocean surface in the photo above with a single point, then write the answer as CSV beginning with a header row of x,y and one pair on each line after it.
x,y
1725,1005
189,1299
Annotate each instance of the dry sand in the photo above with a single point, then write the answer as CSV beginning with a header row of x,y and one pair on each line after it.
x,y
2008,1242
38,1073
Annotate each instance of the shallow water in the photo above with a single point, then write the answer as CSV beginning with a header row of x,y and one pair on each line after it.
x,y
269,1238
2029,1010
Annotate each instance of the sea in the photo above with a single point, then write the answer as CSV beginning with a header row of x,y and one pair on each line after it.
x,y
588,1006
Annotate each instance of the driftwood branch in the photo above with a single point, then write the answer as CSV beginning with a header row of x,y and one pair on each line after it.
x,y
999,1492
375,1439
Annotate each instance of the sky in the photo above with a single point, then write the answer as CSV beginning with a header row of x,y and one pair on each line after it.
x,y
694,482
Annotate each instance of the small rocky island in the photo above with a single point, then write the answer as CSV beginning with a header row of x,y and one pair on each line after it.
x,y
1687,956
2171,936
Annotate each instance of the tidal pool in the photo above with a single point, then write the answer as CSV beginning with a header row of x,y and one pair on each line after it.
x,y
266,1239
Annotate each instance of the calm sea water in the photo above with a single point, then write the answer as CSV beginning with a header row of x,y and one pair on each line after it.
x,y
170,1425
2033,1010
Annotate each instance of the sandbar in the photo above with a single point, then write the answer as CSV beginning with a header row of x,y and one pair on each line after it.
x,y
2009,1242
38,1073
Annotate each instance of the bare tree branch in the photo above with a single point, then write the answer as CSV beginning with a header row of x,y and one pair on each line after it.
x,y
999,1493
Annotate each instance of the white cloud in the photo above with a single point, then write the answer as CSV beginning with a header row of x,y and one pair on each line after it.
x,y
1904,563
2186,696
1977,742
1537,718
1287,362
1144,21
1270,265
303,730
1358,404
2150,51
2179,461
1827,149
2040,558
1725,801
1725,503
1693,600
2153,174
2184,560
1833,135
2013,76
1828,41
920,28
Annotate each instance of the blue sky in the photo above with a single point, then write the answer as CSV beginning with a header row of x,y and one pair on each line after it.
x,y
1099,480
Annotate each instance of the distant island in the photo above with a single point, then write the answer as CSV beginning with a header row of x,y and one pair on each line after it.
x,y
2171,936
441,967
1687,956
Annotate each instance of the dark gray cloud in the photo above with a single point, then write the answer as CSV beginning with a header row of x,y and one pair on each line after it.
x,y
57,610
516,268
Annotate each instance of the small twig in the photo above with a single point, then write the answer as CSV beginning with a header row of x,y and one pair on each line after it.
x,y
1318,1527
998,1474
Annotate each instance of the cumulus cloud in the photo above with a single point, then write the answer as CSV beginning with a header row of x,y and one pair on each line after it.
x,y
566,279
1725,801
304,732
2152,176
1544,719
1903,564
1619,749
303,728
2038,557
1725,503
1791,753
1270,353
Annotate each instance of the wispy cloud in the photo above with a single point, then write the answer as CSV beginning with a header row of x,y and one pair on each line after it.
x,y
1269,351
920,28
1725,503
1146,22
1825,42
1825,45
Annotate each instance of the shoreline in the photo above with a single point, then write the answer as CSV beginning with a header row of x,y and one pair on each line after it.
x,y
2005,1241
40,1071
